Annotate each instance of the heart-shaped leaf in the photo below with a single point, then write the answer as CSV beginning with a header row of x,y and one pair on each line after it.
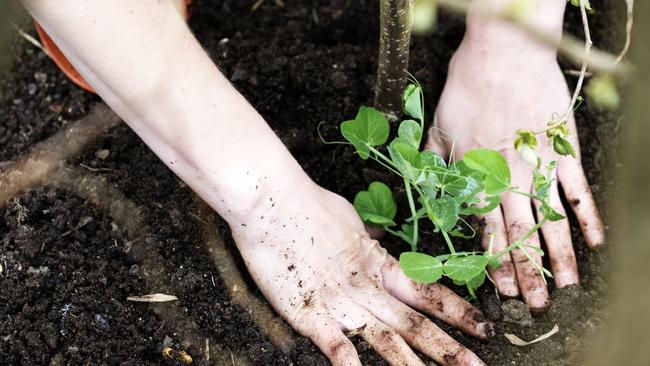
x,y
369,128
376,205
420,267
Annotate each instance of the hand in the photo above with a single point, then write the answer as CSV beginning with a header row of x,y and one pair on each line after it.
x,y
313,260
491,92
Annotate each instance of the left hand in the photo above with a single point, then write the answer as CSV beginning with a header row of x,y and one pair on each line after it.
x,y
491,92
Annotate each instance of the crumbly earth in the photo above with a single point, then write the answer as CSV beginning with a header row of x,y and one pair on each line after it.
x,y
68,267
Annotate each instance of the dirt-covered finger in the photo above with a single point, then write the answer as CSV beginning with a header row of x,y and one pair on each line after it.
x,y
519,221
389,344
420,332
329,338
495,238
557,235
579,195
436,300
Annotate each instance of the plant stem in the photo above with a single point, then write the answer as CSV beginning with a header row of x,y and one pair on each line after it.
x,y
585,60
628,31
520,242
394,37
414,212
449,244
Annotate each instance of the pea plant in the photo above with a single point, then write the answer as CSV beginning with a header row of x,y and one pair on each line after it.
x,y
445,192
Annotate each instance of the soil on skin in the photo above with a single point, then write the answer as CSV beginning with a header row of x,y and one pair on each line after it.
x,y
68,268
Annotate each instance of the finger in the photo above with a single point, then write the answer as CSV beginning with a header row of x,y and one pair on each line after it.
x,y
328,337
504,276
436,141
578,193
383,339
519,220
419,331
436,300
557,235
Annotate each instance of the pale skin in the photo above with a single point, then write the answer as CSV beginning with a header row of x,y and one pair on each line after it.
x,y
501,81
187,113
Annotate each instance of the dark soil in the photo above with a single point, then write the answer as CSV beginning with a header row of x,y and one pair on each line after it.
x,y
68,267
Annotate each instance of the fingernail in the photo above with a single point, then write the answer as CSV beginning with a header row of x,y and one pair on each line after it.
x,y
537,299
507,287
487,329
566,278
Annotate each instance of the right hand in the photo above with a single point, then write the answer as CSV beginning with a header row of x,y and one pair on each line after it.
x,y
313,260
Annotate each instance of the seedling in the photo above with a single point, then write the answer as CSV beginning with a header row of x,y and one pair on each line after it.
x,y
444,192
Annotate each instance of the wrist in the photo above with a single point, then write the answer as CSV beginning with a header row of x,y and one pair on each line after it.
x,y
501,36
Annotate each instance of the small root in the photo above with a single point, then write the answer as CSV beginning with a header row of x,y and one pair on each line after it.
x,y
272,325
128,215
47,157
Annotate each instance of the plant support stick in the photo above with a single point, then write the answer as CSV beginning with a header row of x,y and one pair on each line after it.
x,y
395,34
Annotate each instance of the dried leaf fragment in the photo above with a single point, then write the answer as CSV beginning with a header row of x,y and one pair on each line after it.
x,y
153,298
521,343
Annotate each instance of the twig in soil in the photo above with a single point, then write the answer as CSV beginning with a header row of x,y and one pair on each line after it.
x,y
207,349
65,311
153,298
521,343
84,221
49,156
95,169
258,3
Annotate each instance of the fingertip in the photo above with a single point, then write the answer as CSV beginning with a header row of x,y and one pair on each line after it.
x,y
507,287
486,330
566,278
537,300
595,238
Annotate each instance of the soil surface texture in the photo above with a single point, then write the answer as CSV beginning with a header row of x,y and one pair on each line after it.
x,y
69,260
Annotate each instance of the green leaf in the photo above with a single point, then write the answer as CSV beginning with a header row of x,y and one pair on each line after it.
x,y
376,205
420,267
463,269
406,234
550,213
369,128
491,203
410,133
412,101
493,165
443,212
475,283
563,147
406,158
431,160
539,180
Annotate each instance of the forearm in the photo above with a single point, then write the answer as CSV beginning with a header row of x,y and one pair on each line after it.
x,y
145,63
